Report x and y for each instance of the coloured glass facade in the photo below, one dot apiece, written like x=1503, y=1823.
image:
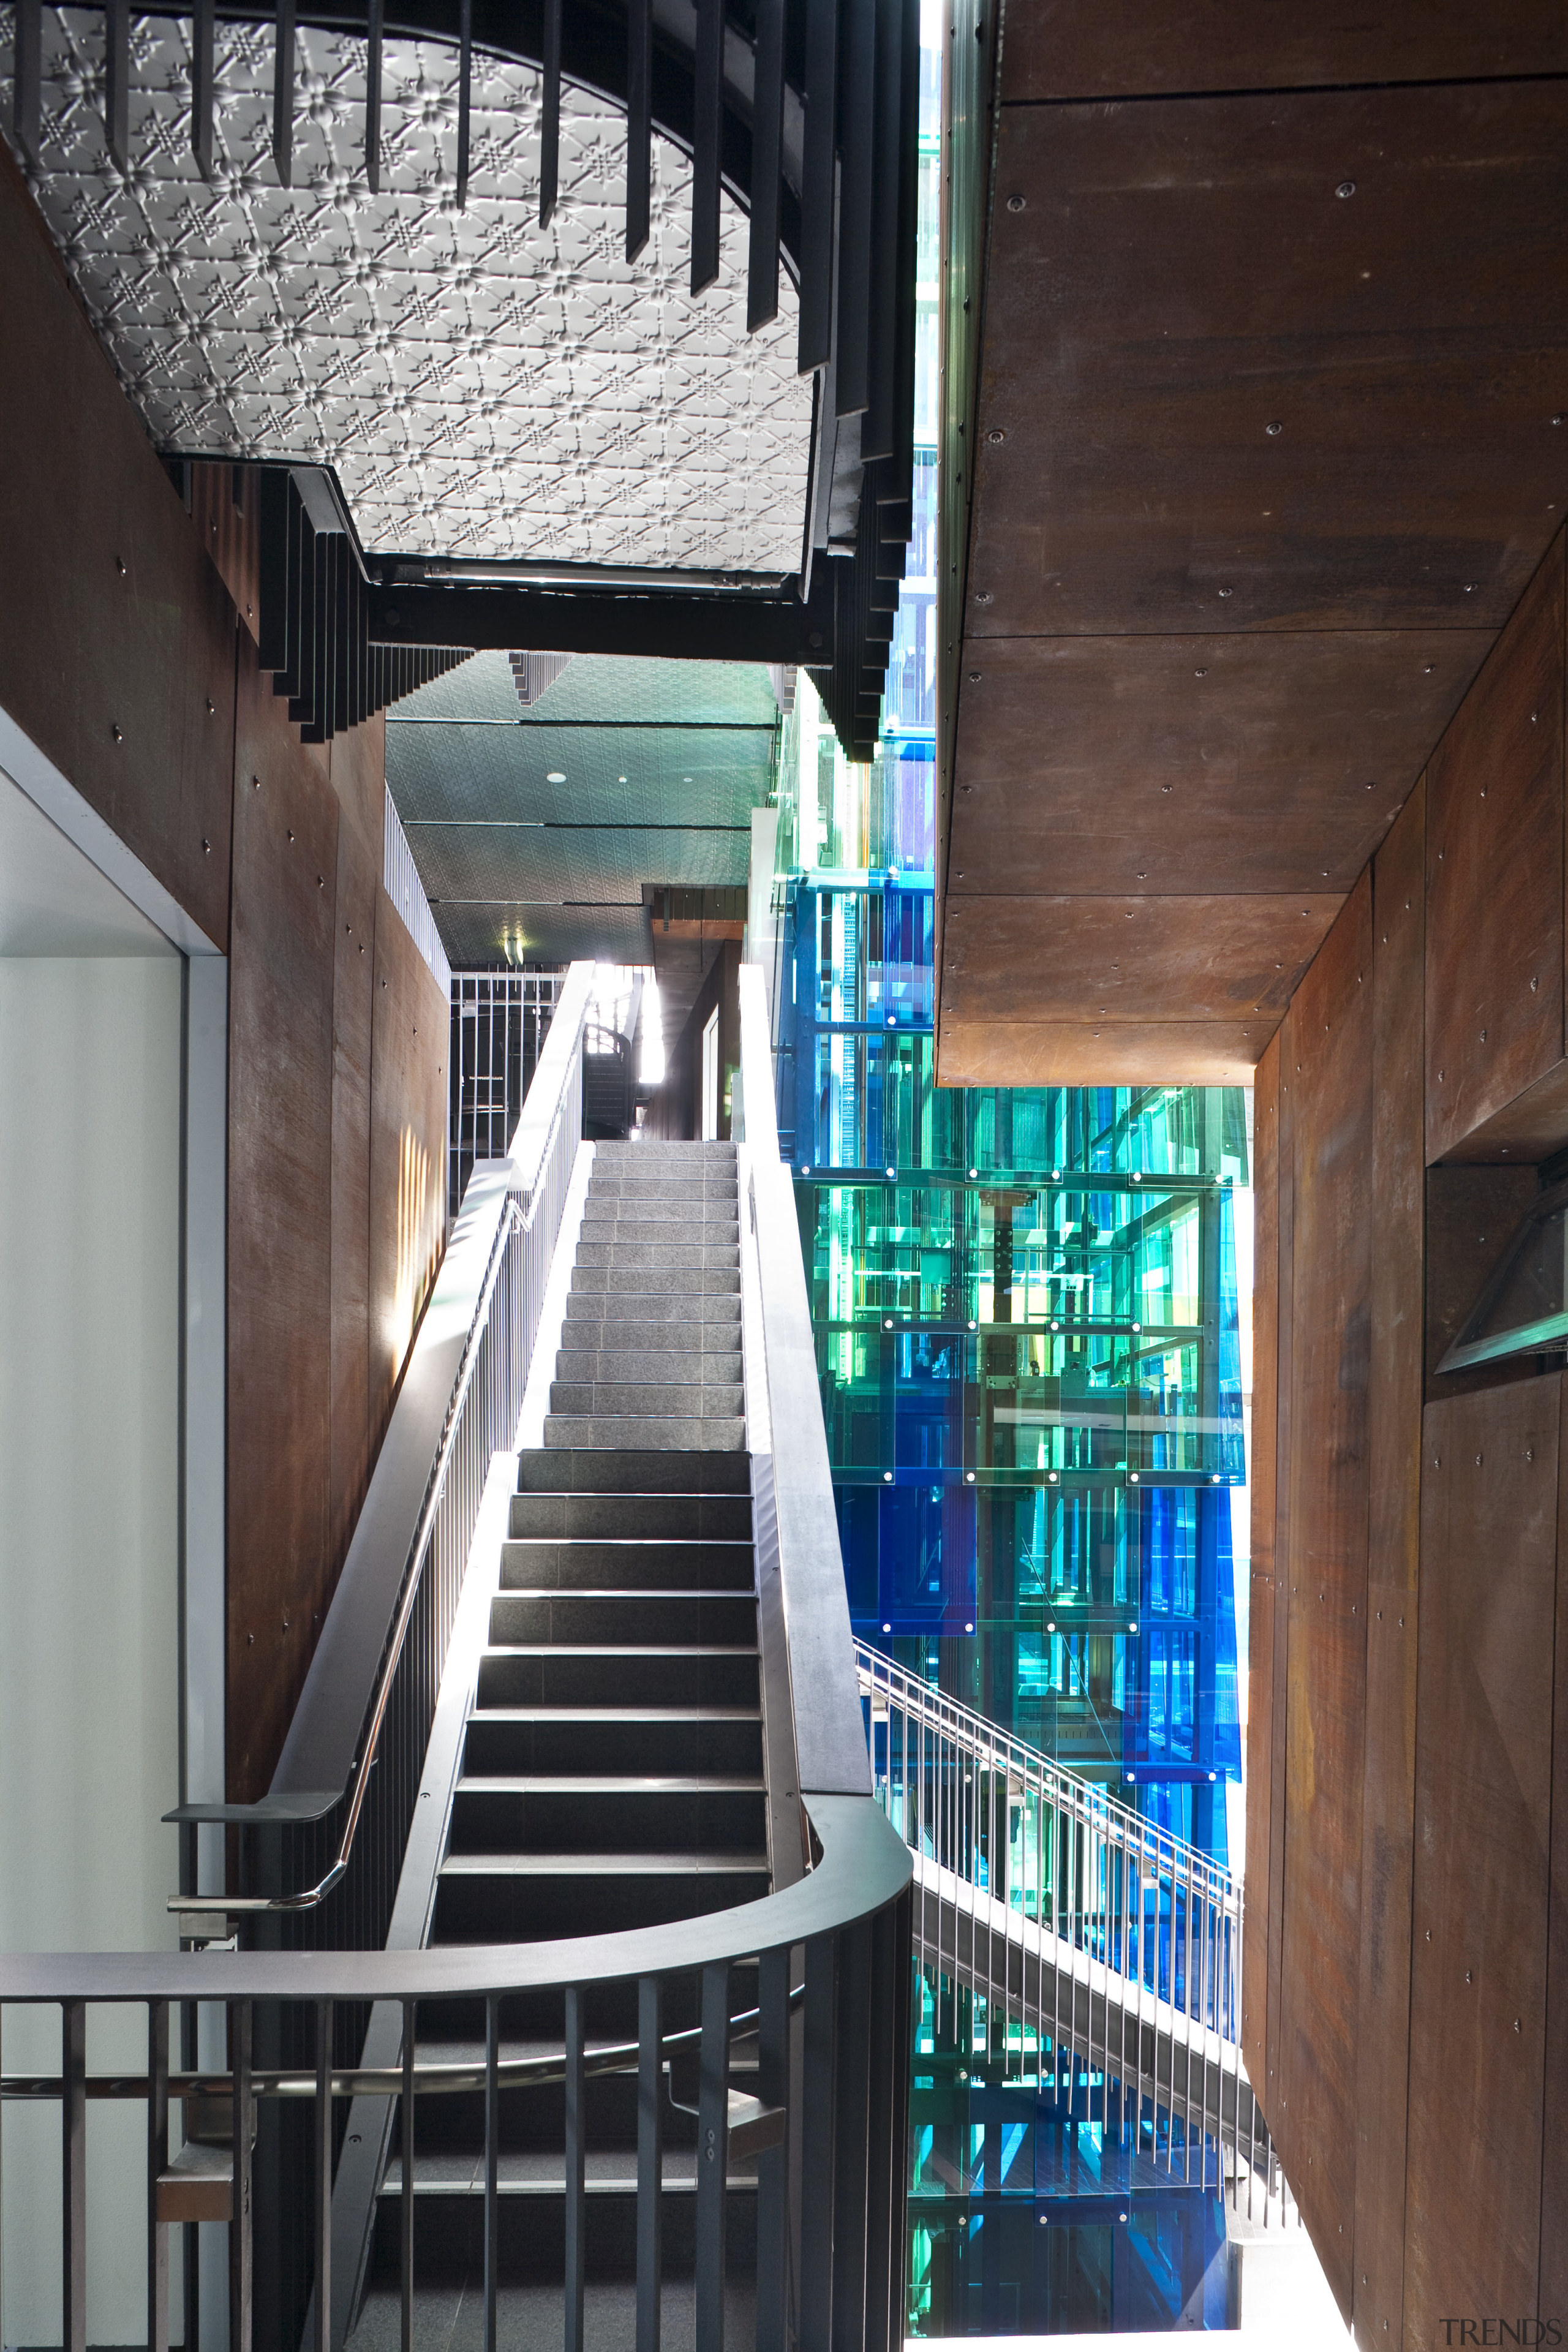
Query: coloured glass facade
x=1026, y=1317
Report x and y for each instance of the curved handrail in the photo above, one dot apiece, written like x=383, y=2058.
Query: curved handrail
x=494, y=1191
x=863, y=1865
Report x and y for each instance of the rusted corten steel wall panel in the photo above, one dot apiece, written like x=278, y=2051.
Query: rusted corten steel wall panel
x=225, y=506
x=279, y=1225
x=1483, y=1799
x=1284, y=1389
x=1261, y=1611
x=1495, y=877
x=1265, y=449
x=117, y=637
x=408, y=1149
x=1328, y=1062
x=1398, y=1156
x=353, y=1433
x=1076, y=49
x=1415, y=1969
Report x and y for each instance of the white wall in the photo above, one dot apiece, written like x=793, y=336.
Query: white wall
x=90, y=1177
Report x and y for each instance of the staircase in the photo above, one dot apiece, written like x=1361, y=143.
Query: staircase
x=612, y=1771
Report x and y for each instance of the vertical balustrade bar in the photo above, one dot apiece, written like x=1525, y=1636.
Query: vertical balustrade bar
x=405, y=2196
x=241, y=2035
x=157, y=2158
x=772, y=2174
x=323, y=2152
x=650, y=2160
x=576, y=2175
x=851, y=2131
x=883, y=2155
x=817, y=2144
x=713, y=2156
x=73, y=2174
x=492, y=2159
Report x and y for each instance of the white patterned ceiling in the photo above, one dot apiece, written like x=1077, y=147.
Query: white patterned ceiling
x=483, y=387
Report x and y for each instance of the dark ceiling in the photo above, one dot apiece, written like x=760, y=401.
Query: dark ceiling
x=535, y=829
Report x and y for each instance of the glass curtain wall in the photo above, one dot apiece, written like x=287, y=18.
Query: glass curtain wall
x=1027, y=1333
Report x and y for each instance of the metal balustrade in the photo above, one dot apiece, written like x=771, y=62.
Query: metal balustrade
x=812, y=1983
x=1090, y=1934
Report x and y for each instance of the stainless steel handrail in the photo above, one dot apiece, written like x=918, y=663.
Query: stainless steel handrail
x=512, y=1219
x=1097, y=1914
x=1088, y=1801
x=863, y=1865
x=532, y=1156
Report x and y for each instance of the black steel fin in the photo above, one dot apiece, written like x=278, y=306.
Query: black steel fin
x=767, y=142
x=707, y=128
x=549, y=126
x=640, y=124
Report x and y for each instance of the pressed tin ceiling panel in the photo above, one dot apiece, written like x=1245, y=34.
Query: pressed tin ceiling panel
x=482, y=387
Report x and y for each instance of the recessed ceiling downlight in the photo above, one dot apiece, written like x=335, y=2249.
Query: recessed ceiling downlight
x=555, y=777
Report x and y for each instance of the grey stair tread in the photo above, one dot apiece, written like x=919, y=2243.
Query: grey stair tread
x=722, y=1434
x=602, y=1865
x=590, y=1564
x=638, y=1592
x=687, y=1400
x=603, y=1650
x=723, y=1229
x=595, y=1517
x=673, y=1364
x=658, y=1233
x=626, y=1283
x=668, y=1250
x=648, y=1472
x=611, y=1784
x=634, y=1312
x=634, y=1714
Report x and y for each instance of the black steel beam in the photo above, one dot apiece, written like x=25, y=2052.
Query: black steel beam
x=698, y=628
